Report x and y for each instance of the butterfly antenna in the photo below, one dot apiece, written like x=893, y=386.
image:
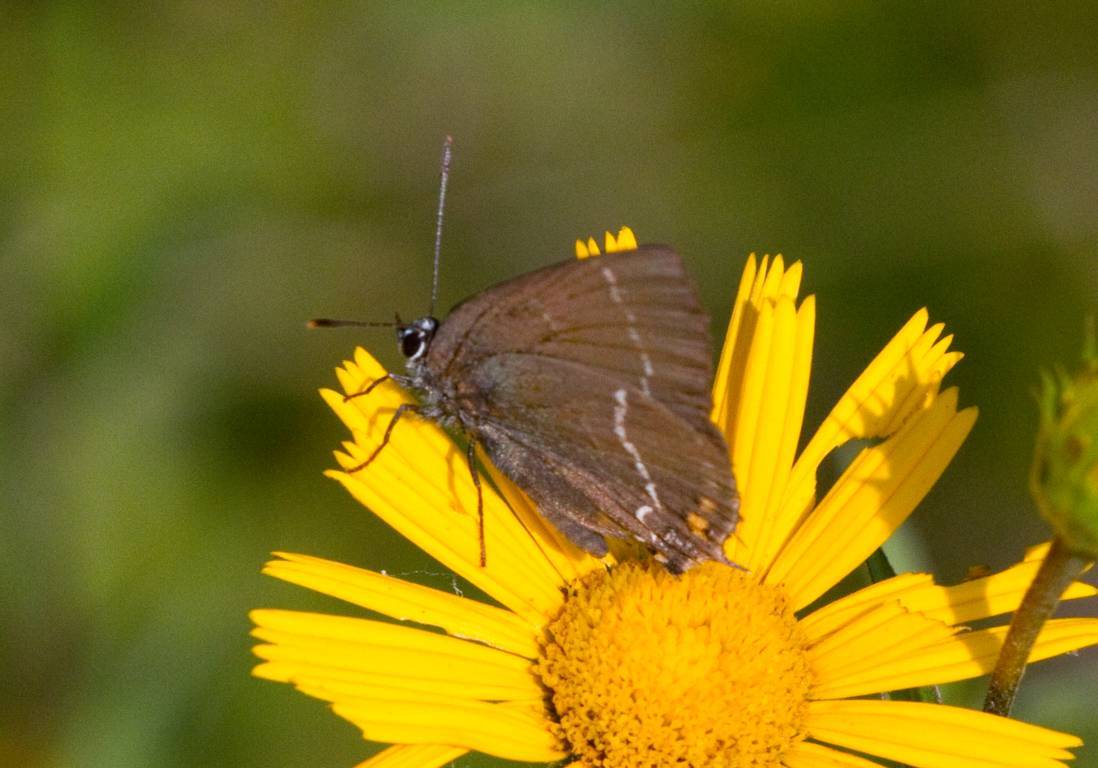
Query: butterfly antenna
x=447, y=150
x=327, y=322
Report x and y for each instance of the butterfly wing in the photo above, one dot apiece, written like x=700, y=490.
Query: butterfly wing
x=599, y=455
x=588, y=384
x=611, y=314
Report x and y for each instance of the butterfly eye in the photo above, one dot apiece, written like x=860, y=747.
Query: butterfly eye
x=413, y=343
x=416, y=338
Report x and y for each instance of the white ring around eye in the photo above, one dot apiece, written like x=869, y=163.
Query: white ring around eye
x=421, y=350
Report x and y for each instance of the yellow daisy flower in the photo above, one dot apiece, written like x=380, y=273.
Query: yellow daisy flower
x=620, y=665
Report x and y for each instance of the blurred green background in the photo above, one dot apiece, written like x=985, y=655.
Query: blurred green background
x=184, y=183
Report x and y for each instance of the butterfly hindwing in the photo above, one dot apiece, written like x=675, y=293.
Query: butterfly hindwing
x=604, y=464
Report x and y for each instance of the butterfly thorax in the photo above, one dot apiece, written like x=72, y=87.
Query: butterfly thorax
x=437, y=401
x=438, y=398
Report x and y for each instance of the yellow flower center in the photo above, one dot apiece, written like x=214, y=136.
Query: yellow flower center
x=650, y=669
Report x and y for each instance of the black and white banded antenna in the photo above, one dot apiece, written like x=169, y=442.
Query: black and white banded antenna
x=444, y=176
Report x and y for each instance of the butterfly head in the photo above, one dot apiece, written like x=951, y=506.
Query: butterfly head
x=415, y=337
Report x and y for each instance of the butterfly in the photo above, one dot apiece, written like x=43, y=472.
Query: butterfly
x=587, y=384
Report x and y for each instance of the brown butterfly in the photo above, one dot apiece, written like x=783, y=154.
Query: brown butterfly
x=587, y=384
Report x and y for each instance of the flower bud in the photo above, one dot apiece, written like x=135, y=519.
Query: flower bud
x=1064, y=479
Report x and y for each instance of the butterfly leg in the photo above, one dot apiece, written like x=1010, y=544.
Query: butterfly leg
x=368, y=389
x=471, y=457
x=402, y=409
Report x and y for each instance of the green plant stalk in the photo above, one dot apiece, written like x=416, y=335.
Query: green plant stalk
x=1060, y=568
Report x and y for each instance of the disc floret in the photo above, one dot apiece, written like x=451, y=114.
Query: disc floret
x=704, y=669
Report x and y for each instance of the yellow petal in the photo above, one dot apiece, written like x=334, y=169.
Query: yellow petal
x=414, y=756
x=727, y=382
x=318, y=646
x=985, y=597
x=932, y=366
x=988, y=596
x=772, y=283
x=790, y=284
x=310, y=673
x=421, y=485
x=869, y=407
x=427, y=518
x=494, y=729
x=592, y=246
x=458, y=616
x=627, y=241
x=837, y=614
x=902, y=379
x=809, y=755
x=742, y=442
x=758, y=285
x=937, y=661
x=870, y=500
x=936, y=736
x=970, y=601
x=768, y=426
x=341, y=689
x=847, y=651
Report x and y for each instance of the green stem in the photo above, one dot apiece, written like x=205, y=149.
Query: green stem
x=879, y=566
x=1060, y=568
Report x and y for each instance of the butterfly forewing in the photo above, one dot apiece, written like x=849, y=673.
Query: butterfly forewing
x=596, y=399
x=614, y=313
